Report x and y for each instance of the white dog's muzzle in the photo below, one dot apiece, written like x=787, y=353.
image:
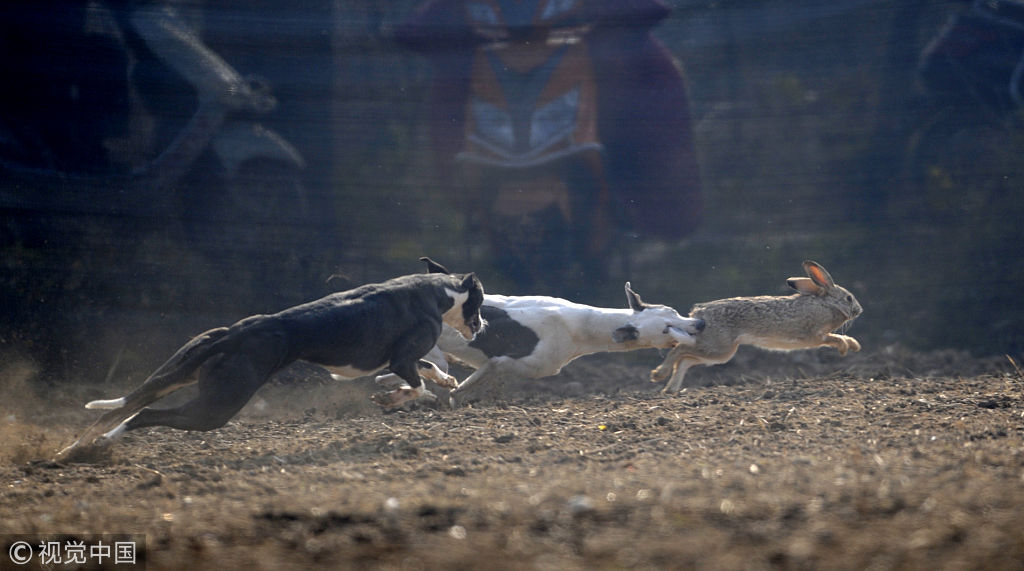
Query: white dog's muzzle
x=681, y=337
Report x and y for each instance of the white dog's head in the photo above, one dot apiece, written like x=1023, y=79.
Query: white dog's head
x=656, y=326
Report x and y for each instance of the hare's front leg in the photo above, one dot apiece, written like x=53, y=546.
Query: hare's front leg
x=842, y=343
x=851, y=343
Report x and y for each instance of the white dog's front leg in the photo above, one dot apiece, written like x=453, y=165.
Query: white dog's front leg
x=668, y=366
x=676, y=382
x=469, y=382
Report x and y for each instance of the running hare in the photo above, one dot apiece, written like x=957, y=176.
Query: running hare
x=804, y=320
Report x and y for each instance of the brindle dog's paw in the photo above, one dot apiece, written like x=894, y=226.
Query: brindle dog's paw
x=400, y=396
x=97, y=452
x=389, y=381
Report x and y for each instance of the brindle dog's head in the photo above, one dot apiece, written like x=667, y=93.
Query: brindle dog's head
x=464, y=314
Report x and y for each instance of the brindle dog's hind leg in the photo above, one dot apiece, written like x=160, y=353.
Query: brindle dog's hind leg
x=226, y=383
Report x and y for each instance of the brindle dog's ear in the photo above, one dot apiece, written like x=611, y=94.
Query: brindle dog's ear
x=434, y=267
x=469, y=282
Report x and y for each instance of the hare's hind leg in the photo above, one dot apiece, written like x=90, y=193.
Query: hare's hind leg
x=842, y=343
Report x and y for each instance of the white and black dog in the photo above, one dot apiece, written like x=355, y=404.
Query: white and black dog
x=352, y=333
x=535, y=336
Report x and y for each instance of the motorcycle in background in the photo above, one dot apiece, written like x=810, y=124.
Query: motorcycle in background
x=127, y=146
x=567, y=125
x=91, y=128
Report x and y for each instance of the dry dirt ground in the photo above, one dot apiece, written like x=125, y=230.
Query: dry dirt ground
x=881, y=460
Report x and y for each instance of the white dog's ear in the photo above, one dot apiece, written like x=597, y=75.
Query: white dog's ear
x=625, y=333
x=633, y=299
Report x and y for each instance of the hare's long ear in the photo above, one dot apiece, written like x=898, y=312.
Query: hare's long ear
x=434, y=267
x=633, y=299
x=818, y=274
x=805, y=286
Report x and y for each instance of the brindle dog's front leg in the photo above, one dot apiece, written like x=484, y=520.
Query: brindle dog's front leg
x=405, y=363
x=412, y=391
x=427, y=370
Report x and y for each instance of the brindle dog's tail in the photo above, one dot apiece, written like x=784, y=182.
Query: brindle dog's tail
x=176, y=373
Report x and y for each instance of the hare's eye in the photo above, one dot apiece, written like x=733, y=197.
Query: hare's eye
x=849, y=298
